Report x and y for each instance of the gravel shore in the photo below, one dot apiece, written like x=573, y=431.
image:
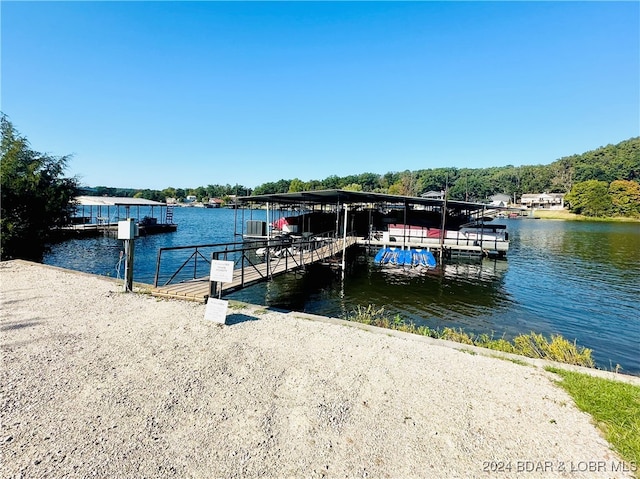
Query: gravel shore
x=100, y=383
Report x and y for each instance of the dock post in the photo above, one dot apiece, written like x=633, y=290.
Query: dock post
x=344, y=240
x=127, y=232
x=128, y=269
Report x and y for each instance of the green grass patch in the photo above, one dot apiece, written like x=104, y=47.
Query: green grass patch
x=567, y=215
x=531, y=345
x=236, y=305
x=520, y=362
x=614, y=405
x=468, y=351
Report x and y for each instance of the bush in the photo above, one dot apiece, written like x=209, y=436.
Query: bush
x=35, y=196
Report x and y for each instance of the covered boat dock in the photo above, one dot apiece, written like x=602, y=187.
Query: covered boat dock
x=99, y=215
x=311, y=227
x=448, y=227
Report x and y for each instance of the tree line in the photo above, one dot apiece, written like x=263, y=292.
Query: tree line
x=615, y=167
x=606, y=164
x=202, y=193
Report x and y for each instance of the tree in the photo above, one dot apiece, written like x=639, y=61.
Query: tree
x=296, y=186
x=590, y=198
x=35, y=196
x=625, y=196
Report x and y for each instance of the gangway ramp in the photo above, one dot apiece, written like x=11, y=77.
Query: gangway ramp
x=279, y=258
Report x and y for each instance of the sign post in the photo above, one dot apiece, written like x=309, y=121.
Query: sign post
x=221, y=272
x=127, y=232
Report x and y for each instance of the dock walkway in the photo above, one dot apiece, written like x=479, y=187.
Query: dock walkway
x=199, y=289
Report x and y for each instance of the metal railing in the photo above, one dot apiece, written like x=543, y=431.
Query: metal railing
x=195, y=253
x=263, y=256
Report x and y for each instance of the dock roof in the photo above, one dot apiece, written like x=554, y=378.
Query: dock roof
x=115, y=201
x=357, y=197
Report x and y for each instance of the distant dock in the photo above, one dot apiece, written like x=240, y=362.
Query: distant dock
x=99, y=216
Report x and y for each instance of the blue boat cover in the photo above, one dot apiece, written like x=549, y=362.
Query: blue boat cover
x=408, y=257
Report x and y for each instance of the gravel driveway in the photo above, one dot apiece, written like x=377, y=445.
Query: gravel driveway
x=100, y=383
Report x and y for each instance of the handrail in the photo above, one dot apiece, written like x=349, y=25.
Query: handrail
x=298, y=250
x=175, y=248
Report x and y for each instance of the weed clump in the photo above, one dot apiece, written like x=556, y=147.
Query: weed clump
x=531, y=345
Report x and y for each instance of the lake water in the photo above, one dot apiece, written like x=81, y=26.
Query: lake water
x=577, y=279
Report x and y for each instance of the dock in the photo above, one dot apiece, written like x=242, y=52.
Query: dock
x=106, y=229
x=99, y=216
x=249, y=272
x=310, y=227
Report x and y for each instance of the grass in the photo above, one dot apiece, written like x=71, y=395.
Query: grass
x=615, y=407
x=512, y=360
x=236, y=305
x=531, y=345
x=567, y=215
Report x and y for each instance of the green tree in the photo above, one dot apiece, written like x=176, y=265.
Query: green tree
x=296, y=186
x=590, y=198
x=169, y=192
x=35, y=196
x=625, y=197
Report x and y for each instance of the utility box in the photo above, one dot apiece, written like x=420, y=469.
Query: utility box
x=256, y=228
x=127, y=229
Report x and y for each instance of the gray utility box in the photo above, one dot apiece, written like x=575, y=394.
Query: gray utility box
x=256, y=228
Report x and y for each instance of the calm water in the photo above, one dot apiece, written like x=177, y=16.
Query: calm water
x=580, y=280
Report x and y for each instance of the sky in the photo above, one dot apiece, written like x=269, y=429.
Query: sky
x=187, y=94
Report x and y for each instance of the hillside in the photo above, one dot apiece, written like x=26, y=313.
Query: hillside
x=606, y=164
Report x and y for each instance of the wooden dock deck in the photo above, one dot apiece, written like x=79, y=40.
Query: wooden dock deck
x=107, y=229
x=199, y=289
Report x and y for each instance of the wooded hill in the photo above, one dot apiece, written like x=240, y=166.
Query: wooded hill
x=605, y=164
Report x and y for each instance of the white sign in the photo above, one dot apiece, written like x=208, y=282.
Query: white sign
x=221, y=271
x=216, y=310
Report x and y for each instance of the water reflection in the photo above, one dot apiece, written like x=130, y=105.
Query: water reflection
x=450, y=296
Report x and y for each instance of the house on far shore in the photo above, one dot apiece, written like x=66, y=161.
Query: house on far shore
x=500, y=200
x=545, y=201
x=215, y=203
x=437, y=195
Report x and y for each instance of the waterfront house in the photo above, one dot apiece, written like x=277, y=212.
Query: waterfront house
x=437, y=195
x=500, y=200
x=547, y=201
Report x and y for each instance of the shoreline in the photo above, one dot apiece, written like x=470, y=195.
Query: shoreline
x=100, y=382
x=565, y=215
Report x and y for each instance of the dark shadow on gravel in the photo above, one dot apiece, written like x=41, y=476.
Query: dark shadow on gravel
x=239, y=318
x=11, y=325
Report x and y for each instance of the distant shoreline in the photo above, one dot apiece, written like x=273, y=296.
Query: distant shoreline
x=568, y=216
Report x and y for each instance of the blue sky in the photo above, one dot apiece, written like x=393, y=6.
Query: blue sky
x=184, y=94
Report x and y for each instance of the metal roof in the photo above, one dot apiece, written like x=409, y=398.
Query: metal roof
x=115, y=201
x=359, y=197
